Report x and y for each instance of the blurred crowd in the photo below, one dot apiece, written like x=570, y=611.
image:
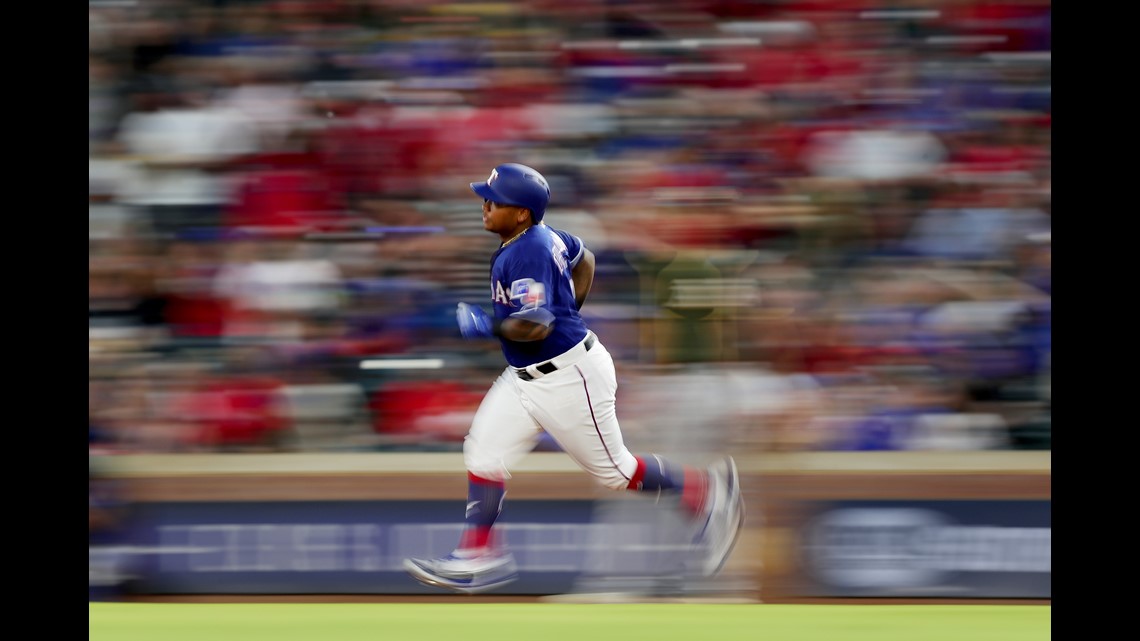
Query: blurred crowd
x=821, y=225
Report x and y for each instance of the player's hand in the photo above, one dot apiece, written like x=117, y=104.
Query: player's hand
x=473, y=321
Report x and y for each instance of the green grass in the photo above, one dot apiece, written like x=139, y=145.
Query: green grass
x=565, y=622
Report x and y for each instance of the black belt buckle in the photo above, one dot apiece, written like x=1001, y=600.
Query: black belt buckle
x=548, y=366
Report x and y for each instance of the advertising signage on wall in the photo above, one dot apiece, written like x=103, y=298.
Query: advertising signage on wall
x=957, y=549
x=358, y=547
x=947, y=549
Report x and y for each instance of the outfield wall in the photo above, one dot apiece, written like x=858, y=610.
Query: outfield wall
x=963, y=525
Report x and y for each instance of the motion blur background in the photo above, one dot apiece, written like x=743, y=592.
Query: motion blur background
x=821, y=225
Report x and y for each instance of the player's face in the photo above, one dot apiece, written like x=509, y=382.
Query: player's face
x=500, y=218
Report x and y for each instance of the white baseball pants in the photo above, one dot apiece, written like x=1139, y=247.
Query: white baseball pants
x=575, y=404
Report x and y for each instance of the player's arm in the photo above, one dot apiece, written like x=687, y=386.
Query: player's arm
x=583, y=276
x=523, y=331
x=533, y=324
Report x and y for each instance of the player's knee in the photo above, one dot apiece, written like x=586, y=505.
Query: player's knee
x=482, y=463
x=616, y=477
x=613, y=480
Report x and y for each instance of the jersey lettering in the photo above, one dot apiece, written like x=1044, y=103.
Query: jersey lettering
x=558, y=251
x=499, y=295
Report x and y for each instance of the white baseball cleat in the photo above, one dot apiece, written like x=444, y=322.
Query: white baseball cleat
x=724, y=516
x=466, y=574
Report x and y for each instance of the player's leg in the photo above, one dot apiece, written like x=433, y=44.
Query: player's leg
x=577, y=407
x=501, y=433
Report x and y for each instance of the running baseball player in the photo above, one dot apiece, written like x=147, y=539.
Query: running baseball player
x=560, y=379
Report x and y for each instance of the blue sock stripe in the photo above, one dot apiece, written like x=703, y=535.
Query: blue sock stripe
x=658, y=476
x=484, y=502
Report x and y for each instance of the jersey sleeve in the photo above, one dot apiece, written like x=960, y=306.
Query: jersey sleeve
x=574, y=246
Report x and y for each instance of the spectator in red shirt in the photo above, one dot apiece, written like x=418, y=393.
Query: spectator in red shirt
x=242, y=409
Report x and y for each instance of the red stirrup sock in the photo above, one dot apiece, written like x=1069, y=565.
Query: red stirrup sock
x=695, y=489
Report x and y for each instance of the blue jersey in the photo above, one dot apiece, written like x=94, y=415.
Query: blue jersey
x=534, y=270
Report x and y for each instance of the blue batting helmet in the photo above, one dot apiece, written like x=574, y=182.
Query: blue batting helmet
x=518, y=185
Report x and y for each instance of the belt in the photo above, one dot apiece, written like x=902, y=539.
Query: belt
x=549, y=366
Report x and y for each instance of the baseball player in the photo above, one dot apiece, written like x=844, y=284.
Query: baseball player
x=560, y=379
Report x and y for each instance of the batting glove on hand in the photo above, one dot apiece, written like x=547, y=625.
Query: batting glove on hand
x=473, y=321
